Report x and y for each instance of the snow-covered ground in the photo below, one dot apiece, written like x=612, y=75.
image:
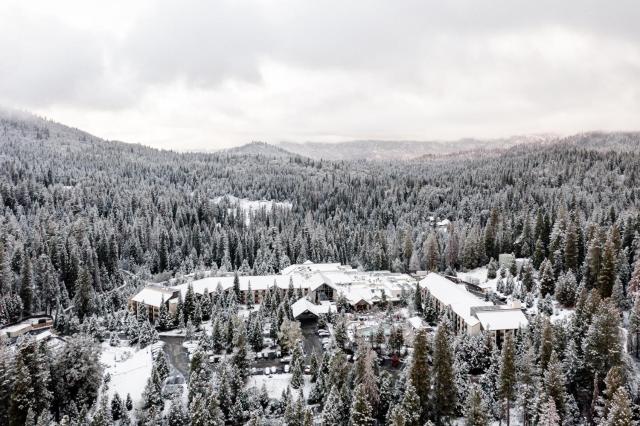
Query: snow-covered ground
x=277, y=383
x=129, y=368
x=479, y=276
x=250, y=206
x=560, y=313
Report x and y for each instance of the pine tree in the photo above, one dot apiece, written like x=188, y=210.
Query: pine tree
x=419, y=373
x=538, y=254
x=546, y=343
x=490, y=383
x=80, y=353
x=555, y=383
x=84, y=297
x=236, y=285
x=117, y=407
x=163, y=316
x=444, y=394
x=614, y=380
x=592, y=261
x=601, y=345
x=549, y=414
x=177, y=414
x=476, y=411
x=527, y=389
x=492, y=269
x=296, y=375
x=547, y=279
x=200, y=415
x=620, y=413
x=412, y=406
x=340, y=333
x=189, y=303
x=634, y=283
x=197, y=313
x=26, y=289
x=152, y=394
x=6, y=276
x=431, y=252
x=162, y=365
x=507, y=374
x=128, y=402
x=22, y=395
x=417, y=299
x=607, y=272
x=397, y=416
x=618, y=297
x=332, y=413
x=102, y=416
x=634, y=326
x=566, y=289
x=527, y=277
x=361, y=411
x=571, y=248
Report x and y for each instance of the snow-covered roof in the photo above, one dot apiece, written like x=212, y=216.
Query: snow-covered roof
x=308, y=267
x=443, y=223
x=303, y=305
x=502, y=319
x=257, y=282
x=16, y=328
x=415, y=322
x=357, y=294
x=355, y=285
x=454, y=295
x=44, y=335
x=153, y=295
x=337, y=277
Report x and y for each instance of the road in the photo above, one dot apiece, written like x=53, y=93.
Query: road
x=177, y=356
x=311, y=341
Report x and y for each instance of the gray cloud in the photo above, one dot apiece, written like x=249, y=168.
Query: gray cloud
x=221, y=73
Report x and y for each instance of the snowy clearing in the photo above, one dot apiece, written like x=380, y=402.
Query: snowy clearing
x=251, y=206
x=277, y=383
x=129, y=369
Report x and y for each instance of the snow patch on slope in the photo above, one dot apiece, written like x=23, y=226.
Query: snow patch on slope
x=251, y=206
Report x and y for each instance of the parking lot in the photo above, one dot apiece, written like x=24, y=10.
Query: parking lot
x=312, y=343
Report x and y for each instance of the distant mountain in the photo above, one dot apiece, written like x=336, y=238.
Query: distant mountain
x=259, y=148
x=403, y=150
x=606, y=141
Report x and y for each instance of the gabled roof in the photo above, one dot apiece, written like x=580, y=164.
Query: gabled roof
x=153, y=295
x=303, y=305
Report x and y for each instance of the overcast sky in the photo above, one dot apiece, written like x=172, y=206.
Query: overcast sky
x=212, y=74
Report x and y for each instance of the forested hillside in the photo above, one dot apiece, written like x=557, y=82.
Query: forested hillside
x=85, y=221
x=74, y=203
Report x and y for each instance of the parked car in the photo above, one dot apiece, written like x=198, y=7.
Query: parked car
x=287, y=368
x=307, y=369
x=267, y=370
x=323, y=333
x=273, y=370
